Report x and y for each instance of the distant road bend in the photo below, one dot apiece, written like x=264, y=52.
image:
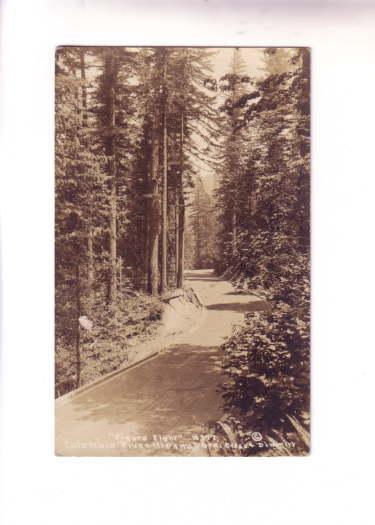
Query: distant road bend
x=174, y=394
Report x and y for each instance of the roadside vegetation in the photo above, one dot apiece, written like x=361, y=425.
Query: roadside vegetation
x=264, y=236
x=104, y=339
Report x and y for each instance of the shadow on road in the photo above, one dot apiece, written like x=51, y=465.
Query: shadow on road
x=163, y=394
x=239, y=292
x=254, y=306
x=202, y=275
x=202, y=278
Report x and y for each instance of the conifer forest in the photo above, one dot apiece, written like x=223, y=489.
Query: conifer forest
x=175, y=166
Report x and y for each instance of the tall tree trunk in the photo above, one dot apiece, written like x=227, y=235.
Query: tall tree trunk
x=111, y=71
x=113, y=234
x=90, y=231
x=146, y=219
x=234, y=227
x=146, y=247
x=164, y=246
x=198, y=230
x=235, y=168
x=154, y=212
x=181, y=244
x=78, y=329
x=177, y=230
x=181, y=212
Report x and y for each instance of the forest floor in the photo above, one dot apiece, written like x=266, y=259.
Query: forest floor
x=164, y=405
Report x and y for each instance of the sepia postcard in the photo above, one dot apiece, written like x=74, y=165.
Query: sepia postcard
x=182, y=243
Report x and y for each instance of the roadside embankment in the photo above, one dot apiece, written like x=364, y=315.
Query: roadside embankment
x=182, y=312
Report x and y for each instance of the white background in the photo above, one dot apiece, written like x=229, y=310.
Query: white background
x=332, y=486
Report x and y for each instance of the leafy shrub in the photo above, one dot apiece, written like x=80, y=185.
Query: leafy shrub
x=267, y=360
x=267, y=364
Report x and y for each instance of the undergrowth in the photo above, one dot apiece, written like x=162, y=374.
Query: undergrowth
x=267, y=364
x=104, y=347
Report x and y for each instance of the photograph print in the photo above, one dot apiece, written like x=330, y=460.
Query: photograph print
x=182, y=251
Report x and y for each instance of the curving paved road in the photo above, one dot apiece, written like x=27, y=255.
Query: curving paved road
x=163, y=406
